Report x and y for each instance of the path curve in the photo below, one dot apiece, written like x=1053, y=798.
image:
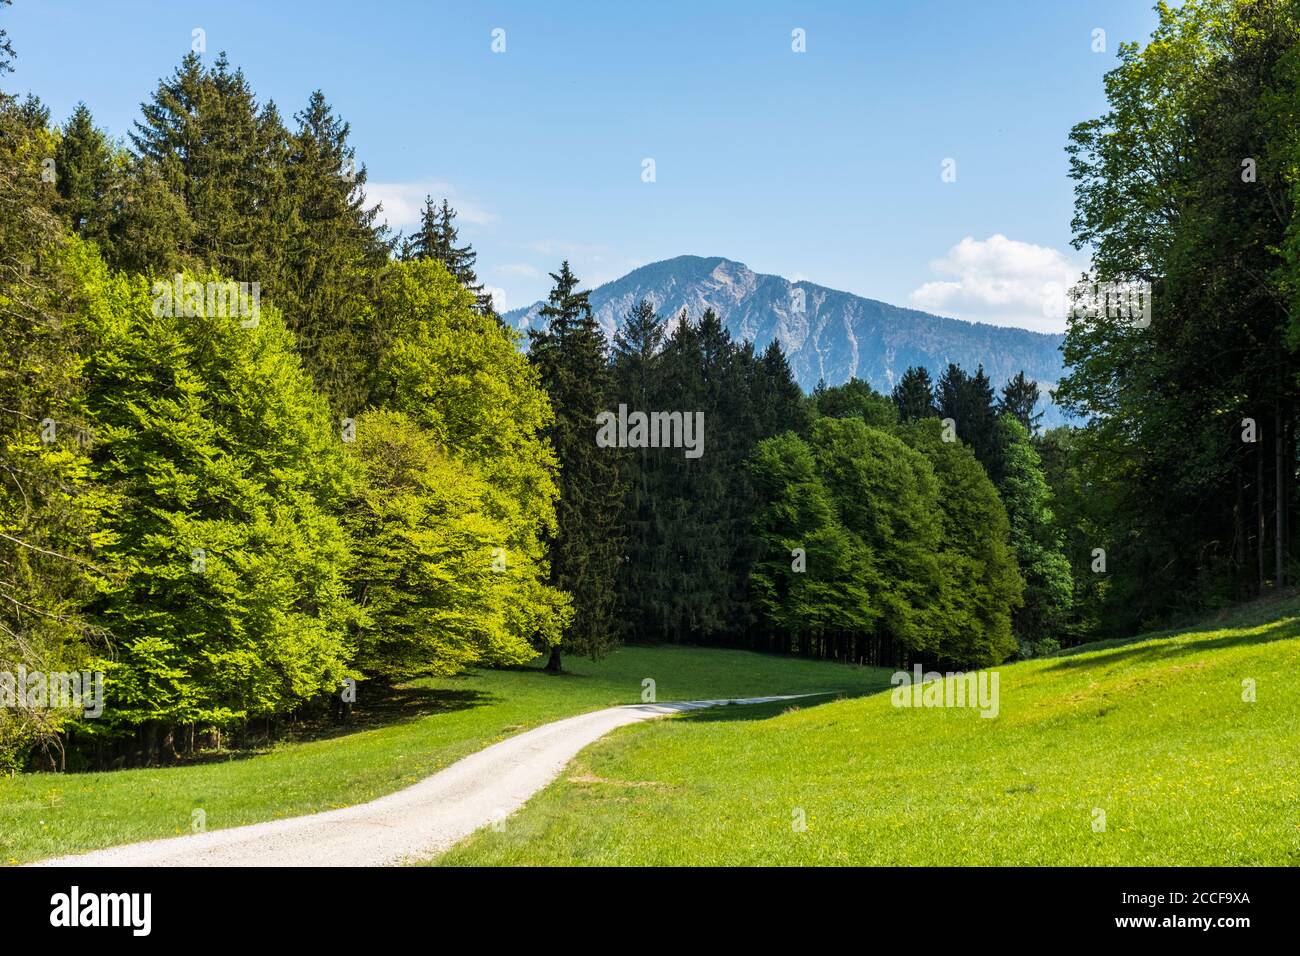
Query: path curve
x=421, y=821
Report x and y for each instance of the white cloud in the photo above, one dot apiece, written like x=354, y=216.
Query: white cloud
x=1002, y=282
x=403, y=203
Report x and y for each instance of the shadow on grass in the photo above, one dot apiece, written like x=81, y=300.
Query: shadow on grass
x=746, y=712
x=397, y=706
x=1137, y=650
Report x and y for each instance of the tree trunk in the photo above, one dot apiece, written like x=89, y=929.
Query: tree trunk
x=1259, y=505
x=553, y=665
x=1279, y=522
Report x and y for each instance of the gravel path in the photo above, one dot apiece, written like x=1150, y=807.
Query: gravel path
x=421, y=821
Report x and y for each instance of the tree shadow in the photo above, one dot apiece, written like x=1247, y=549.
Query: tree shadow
x=394, y=707
x=1137, y=650
x=748, y=712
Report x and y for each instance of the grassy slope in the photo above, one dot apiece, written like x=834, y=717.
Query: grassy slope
x=45, y=815
x=1153, y=731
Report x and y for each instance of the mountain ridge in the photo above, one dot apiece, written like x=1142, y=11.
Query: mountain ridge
x=827, y=334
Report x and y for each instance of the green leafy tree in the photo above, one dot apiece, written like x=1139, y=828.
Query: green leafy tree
x=461, y=376
x=886, y=496
x=228, y=564
x=981, y=581
x=1037, y=543
x=437, y=590
x=51, y=510
x=811, y=581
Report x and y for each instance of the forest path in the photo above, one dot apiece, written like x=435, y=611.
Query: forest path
x=421, y=821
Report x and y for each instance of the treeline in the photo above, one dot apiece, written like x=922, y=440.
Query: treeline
x=1184, y=473
x=240, y=508
x=845, y=524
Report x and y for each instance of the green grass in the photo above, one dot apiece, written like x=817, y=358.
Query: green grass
x=1154, y=732
x=426, y=728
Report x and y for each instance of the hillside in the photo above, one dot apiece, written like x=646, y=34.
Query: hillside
x=836, y=336
x=1153, y=732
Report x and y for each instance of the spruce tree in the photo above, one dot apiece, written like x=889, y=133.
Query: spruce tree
x=914, y=395
x=968, y=401
x=1019, y=397
x=84, y=176
x=638, y=370
x=335, y=250
x=436, y=239
x=570, y=355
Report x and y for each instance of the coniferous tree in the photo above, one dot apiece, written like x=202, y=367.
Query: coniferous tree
x=334, y=251
x=84, y=176
x=436, y=239
x=914, y=395
x=1019, y=397
x=570, y=355
x=638, y=383
x=968, y=401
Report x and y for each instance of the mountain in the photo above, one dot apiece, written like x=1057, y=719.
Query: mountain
x=835, y=336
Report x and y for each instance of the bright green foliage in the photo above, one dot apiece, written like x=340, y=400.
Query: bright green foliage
x=981, y=581
x=809, y=579
x=887, y=498
x=438, y=591
x=855, y=399
x=228, y=596
x=880, y=550
x=460, y=375
x=49, y=509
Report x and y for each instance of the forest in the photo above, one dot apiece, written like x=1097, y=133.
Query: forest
x=259, y=455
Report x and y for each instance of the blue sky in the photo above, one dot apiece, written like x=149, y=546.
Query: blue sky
x=823, y=165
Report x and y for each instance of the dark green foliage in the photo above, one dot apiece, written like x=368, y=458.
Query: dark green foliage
x=85, y=176
x=1019, y=398
x=1191, y=514
x=689, y=521
x=570, y=355
x=1036, y=541
x=914, y=395
x=967, y=400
